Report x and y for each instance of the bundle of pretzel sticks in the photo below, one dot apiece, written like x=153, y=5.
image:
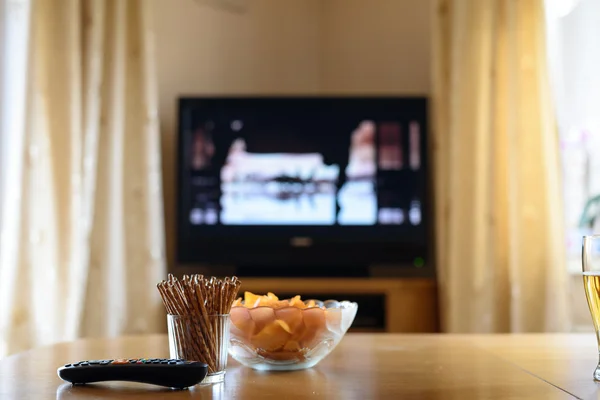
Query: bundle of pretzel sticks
x=199, y=305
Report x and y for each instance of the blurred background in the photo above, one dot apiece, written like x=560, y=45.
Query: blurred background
x=483, y=111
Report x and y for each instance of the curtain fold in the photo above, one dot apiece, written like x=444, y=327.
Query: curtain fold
x=500, y=247
x=83, y=245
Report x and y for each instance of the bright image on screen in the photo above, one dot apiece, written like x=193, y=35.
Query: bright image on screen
x=293, y=189
x=301, y=187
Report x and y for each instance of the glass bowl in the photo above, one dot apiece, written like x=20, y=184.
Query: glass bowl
x=288, y=338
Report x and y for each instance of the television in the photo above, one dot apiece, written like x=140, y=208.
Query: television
x=302, y=185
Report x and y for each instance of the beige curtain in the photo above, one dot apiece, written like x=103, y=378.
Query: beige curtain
x=82, y=236
x=500, y=248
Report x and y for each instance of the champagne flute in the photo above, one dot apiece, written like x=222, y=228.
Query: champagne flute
x=591, y=283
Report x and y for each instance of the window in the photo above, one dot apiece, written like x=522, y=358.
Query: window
x=3, y=59
x=573, y=29
x=14, y=37
x=574, y=59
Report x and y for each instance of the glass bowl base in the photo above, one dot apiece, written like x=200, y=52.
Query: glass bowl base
x=264, y=366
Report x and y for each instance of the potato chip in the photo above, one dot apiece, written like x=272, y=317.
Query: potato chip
x=284, y=325
x=280, y=304
x=291, y=316
x=315, y=322
x=292, y=345
x=250, y=299
x=314, y=318
x=243, y=325
x=262, y=316
x=272, y=338
x=297, y=302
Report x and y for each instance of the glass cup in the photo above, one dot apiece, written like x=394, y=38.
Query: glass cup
x=591, y=283
x=201, y=338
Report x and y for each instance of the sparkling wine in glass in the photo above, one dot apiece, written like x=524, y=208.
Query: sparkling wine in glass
x=591, y=282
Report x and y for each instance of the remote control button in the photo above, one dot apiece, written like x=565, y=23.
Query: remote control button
x=94, y=362
x=164, y=362
x=104, y=362
x=120, y=361
x=67, y=365
x=172, y=362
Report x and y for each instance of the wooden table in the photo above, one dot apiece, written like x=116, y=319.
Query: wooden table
x=364, y=366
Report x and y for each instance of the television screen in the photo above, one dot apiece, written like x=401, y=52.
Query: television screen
x=328, y=169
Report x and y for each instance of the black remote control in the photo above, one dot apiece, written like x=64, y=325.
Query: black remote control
x=177, y=374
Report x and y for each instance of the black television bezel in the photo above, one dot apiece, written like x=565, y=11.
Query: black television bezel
x=252, y=256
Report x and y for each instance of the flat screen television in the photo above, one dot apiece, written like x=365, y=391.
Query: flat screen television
x=290, y=184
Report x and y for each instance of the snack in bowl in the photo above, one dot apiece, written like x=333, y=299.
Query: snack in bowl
x=272, y=334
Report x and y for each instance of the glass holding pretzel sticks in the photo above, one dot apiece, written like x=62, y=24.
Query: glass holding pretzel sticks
x=198, y=319
x=201, y=338
x=591, y=283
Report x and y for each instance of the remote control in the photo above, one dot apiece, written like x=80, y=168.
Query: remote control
x=172, y=373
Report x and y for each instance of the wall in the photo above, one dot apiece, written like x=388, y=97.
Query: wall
x=284, y=47
x=379, y=46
